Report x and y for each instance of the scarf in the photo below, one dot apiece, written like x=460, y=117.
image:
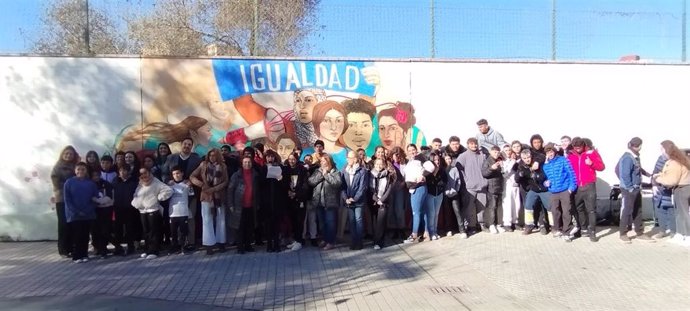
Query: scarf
x=212, y=178
x=305, y=133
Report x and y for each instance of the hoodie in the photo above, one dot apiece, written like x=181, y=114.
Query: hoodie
x=454, y=154
x=490, y=139
x=471, y=167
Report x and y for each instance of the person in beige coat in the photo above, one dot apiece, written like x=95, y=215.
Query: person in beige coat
x=676, y=175
x=212, y=177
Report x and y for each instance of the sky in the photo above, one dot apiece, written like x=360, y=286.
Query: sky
x=599, y=30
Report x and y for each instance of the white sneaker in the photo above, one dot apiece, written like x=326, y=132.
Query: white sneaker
x=410, y=240
x=463, y=235
x=376, y=247
x=449, y=234
x=83, y=260
x=296, y=246
x=434, y=238
x=152, y=256
x=493, y=229
x=501, y=229
x=291, y=245
x=143, y=256
x=77, y=261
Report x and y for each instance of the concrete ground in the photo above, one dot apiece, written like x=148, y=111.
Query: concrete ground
x=485, y=272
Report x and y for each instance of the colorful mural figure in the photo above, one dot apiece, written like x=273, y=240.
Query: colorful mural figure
x=283, y=104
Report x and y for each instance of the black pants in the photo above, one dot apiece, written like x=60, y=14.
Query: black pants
x=297, y=215
x=181, y=225
x=152, y=225
x=585, y=201
x=273, y=228
x=456, y=203
x=631, y=211
x=101, y=228
x=246, y=229
x=79, y=230
x=64, y=232
x=379, y=220
x=560, y=208
x=124, y=226
x=166, y=234
x=493, y=215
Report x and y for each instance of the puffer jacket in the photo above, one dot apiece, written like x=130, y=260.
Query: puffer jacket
x=494, y=177
x=560, y=174
x=327, y=189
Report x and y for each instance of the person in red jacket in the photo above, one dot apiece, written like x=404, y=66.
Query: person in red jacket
x=586, y=162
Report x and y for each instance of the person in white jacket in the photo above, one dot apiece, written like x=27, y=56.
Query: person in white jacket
x=511, y=194
x=147, y=199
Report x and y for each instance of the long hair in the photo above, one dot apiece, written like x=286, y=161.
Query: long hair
x=675, y=154
x=328, y=158
x=219, y=156
x=441, y=163
x=276, y=157
x=401, y=112
x=75, y=159
x=165, y=132
x=319, y=114
x=159, y=159
x=400, y=153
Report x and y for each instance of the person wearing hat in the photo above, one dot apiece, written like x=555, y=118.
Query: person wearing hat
x=629, y=172
x=487, y=137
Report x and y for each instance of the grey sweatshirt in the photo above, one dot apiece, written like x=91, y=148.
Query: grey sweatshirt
x=471, y=166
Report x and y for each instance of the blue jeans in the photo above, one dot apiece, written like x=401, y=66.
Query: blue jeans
x=418, y=209
x=354, y=213
x=433, y=206
x=667, y=218
x=329, y=224
x=531, y=200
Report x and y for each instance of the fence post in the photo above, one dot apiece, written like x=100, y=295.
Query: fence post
x=553, y=30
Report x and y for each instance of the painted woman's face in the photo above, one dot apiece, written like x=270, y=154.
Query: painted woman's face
x=304, y=106
x=359, y=130
x=332, y=125
x=285, y=147
x=390, y=132
x=204, y=135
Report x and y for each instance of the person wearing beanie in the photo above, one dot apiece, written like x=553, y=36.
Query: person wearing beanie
x=629, y=172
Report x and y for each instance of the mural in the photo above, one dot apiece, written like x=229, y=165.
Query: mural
x=282, y=104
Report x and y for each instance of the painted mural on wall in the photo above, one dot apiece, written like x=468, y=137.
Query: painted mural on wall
x=282, y=104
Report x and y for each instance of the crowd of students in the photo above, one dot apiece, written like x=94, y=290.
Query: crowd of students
x=178, y=203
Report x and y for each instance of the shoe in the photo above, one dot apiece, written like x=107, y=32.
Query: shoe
x=557, y=234
x=567, y=238
x=119, y=251
x=85, y=259
x=221, y=248
x=143, y=255
x=209, y=251
x=328, y=247
x=410, y=240
x=593, y=237
x=660, y=235
x=575, y=232
x=377, y=247
x=528, y=230
x=543, y=231
x=449, y=233
x=296, y=246
x=644, y=237
x=249, y=249
x=77, y=261
x=677, y=239
x=322, y=244
x=463, y=235
x=314, y=243
x=625, y=239
x=501, y=229
x=152, y=256
x=291, y=245
x=493, y=229
x=434, y=237
x=508, y=228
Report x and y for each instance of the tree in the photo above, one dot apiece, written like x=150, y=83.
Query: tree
x=183, y=28
x=64, y=31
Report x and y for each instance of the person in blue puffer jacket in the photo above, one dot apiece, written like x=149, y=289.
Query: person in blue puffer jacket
x=561, y=181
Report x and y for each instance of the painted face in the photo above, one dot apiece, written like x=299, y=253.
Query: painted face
x=163, y=150
x=304, y=106
x=187, y=145
x=68, y=156
x=285, y=147
x=472, y=146
x=80, y=171
x=351, y=158
x=390, y=132
x=148, y=162
x=378, y=165
x=359, y=130
x=246, y=163
x=129, y=158
x=203, y=135
x=332, y=125
x=380, y=153
x=178, y=175
x=483, y=128
x=144, y=176
x=411, y=152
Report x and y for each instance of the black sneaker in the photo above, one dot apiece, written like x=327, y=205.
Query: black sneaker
x=209, y=251
x=593, y=237
x=221, y=248
x=528, y=230
x=543, y=231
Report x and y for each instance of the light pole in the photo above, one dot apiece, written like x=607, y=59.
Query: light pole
x=433, y=31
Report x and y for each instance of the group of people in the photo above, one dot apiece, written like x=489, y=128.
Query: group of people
x=251, y=196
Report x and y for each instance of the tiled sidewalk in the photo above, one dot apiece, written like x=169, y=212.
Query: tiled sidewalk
x=486, y=272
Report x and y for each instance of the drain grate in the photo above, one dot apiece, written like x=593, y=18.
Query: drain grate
x=449, y=290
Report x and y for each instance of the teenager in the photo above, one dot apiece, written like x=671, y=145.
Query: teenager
x=126, y=223
x=80, y=195
x=382, y=181
x=101, y=229
x=147, y=199
x=297, y=196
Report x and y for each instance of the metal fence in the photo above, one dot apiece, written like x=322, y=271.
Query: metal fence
x=550, y=30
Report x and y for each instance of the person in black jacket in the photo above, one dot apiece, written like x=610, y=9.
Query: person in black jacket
x=274, y=189
x=436, y=187
x=100, y=230
x=126, y=216
x=531, y=177
x=298, y=194
x=382, y=181
x=492, y=170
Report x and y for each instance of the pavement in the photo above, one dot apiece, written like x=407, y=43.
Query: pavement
x=507, y=271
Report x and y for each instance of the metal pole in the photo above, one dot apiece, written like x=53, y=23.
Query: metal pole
x=87, y=34
x=684, y=32
x=553, y=30
x=433, y=31
x=255, y=30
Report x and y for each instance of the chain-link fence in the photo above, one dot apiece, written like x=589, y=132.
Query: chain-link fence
x=584, y=30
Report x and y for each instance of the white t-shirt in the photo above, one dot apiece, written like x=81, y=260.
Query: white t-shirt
x=179, y=202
